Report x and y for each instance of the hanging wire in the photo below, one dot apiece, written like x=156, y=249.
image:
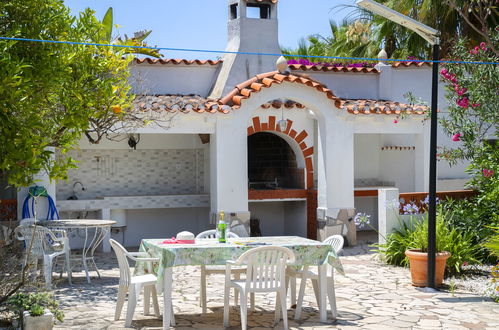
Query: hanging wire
x=244, y=53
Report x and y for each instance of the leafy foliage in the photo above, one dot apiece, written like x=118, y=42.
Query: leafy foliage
x=35, y=303
x=346, y=40
x=473, y=123
x=413, y=234
x=136, y=43
x=493, y=242
x=51, y=92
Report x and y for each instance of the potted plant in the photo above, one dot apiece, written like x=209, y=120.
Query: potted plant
x=407, y=245
x=36, y=310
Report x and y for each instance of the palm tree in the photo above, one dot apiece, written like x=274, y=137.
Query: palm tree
x=346, y=40
x=401, y=42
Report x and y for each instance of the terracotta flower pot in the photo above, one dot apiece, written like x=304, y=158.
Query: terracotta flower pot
x=418, y=262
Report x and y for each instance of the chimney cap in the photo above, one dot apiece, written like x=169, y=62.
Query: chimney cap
x=282, y=65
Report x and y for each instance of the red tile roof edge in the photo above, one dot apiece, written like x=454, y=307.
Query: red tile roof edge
x=407, y=64
x=331, y=68
x=149, y=60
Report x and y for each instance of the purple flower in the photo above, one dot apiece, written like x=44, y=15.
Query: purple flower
x=410, y=208
x=361, y=219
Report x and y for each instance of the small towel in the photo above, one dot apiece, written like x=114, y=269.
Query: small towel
x=173, y=240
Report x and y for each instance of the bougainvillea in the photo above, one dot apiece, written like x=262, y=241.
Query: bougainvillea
x=303, y=61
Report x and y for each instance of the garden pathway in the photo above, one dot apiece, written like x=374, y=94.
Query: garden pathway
x=371, y=296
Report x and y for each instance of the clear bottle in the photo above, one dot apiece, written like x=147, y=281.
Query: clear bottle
x=221, y=228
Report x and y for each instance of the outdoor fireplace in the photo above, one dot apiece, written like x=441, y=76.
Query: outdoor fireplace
x=272, y=163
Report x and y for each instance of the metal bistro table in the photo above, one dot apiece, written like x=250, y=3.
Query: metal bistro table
x=209, y=252
x=94, y=232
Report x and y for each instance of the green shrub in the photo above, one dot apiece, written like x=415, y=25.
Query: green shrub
x=35, y=303
x=414, y=235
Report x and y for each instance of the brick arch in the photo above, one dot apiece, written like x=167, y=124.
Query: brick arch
x=299, y=138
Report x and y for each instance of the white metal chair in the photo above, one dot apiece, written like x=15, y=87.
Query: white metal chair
x=134, y=284
x=210, y=270
x=336, y=242
x=46, y=244
x=266, y=272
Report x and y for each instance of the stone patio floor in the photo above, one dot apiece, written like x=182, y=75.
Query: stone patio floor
x=372, y=295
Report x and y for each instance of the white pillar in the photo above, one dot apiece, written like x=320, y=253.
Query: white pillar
x=422, y=160
x=336, y=177
x=388, y=212
x=42, y=205
x=229, y=169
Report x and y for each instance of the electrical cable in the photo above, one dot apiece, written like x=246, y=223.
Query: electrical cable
x=244, y=53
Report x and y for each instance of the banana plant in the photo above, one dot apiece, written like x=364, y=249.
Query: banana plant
x=136, y=43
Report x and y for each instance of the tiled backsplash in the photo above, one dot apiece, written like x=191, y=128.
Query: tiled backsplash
x=134, y=173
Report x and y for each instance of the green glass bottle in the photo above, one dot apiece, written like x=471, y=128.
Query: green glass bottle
x=221, y=228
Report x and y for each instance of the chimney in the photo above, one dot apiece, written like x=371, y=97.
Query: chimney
x=253, y=28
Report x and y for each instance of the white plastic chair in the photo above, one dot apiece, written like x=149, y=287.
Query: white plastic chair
x=266, y=272
x=210, y=270
x=45, y=244
x=336, y=242
x=134, y=284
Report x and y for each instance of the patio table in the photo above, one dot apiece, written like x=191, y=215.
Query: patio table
x=210, y=252
x=94, y=232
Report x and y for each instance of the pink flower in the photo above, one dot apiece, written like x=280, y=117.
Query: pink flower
x=395, y=121
x=461, y=91
x=475, y=105
x=456, y=137
x=463, y=102
x=483, y=44
x=443, y=72
x=488, y=173
x=465, y=263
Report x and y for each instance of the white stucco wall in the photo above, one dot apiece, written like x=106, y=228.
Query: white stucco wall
x=367, y=156
x=173, y=79
x=354, y=85
x=295, y=215
x=163, y=223
x=271, y=216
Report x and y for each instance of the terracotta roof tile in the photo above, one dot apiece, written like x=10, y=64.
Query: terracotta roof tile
x=381, y=107
x=149, y=60
x=409, y=64
x=323, y=68
x=245, y=89
x=178, y=103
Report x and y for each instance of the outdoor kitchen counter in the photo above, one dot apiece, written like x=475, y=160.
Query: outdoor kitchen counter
x=134, y=202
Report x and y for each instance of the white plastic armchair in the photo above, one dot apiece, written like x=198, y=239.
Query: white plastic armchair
x=46, y=244
x=134, y=284
x=210, y=270
x=266, y=272
x=336, y=242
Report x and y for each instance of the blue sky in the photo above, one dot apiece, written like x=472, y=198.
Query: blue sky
x=201, y=24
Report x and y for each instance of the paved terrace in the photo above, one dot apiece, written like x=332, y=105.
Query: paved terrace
x=371, y=296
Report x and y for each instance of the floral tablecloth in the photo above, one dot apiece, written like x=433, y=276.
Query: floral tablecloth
x=209, y=252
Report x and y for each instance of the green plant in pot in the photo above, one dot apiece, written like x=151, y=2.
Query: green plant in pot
x=408, y=245
x=35, y=310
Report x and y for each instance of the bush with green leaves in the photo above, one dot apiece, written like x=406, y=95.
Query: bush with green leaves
x=413, y=234
x=35, y=304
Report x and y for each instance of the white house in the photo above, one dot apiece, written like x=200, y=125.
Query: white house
x=226, y=149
